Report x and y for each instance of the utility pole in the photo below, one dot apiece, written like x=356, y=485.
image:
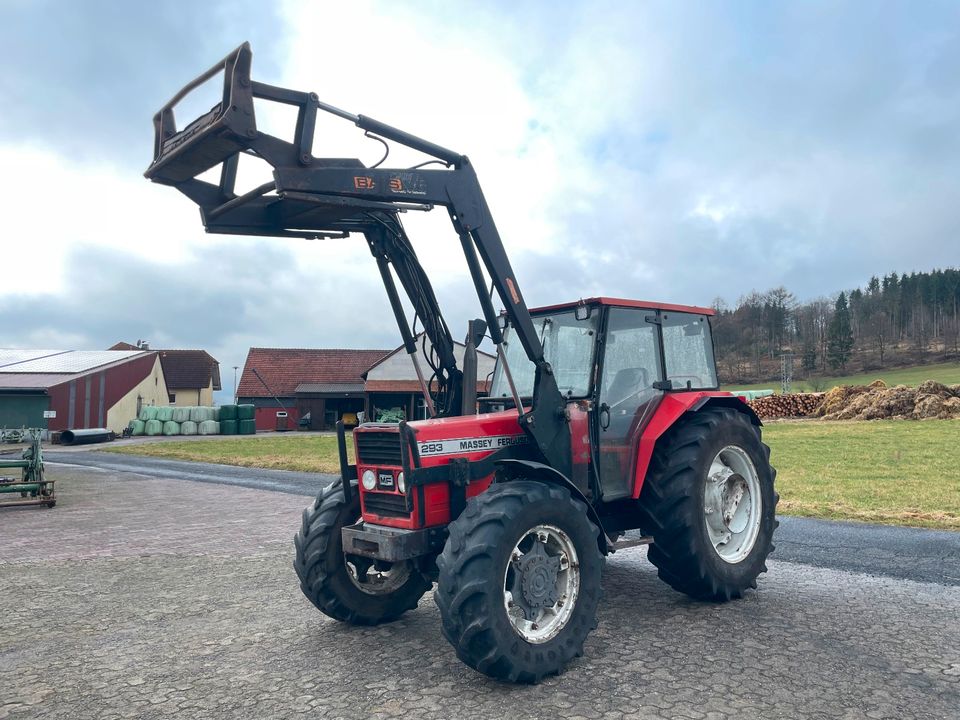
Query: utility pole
x=235, y=384
x=786, y=372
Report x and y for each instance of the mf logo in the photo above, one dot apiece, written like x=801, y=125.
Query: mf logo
x=363, y=183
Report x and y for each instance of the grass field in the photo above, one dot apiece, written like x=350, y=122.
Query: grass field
x=886, y=471
x=314, y=453
x=946, y=373
x=894, y=471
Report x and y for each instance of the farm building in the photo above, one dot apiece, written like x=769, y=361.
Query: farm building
x=325, y=383
x=332, y=385
x=192, y=375
x=391, y=383
x=61, y=389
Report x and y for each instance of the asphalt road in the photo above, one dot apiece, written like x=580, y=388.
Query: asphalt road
x=144, y=597
x=881, y=551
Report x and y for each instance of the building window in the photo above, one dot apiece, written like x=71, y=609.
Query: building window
x=172, y=398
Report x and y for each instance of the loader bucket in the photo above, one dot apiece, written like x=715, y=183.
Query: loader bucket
x=225, y=130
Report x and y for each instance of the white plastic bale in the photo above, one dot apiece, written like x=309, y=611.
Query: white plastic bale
x=209, y=427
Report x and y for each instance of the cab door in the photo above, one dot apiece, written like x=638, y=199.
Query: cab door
x=631, y=371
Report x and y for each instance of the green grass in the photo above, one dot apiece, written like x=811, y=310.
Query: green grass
x=896, y=472
x=305, y=454
x=946, y=373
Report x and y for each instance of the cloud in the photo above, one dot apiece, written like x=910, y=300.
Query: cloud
x=85, y=78
x=255, y=295
x=652, y=151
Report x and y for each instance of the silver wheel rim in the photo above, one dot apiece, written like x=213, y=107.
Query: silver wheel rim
x=368, y=578
x=732, y=504
x=544, y=620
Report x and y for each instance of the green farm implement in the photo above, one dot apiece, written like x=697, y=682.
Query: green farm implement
x=31, y=488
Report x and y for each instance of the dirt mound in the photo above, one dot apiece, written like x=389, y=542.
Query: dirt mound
x=878, y=402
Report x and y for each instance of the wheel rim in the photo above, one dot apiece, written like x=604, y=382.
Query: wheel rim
x=541, y=583
x=732, y=504
x=374, y=577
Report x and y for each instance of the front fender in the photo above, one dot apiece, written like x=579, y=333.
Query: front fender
x=529, y=470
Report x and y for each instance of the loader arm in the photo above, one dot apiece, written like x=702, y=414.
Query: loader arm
x=313, y=197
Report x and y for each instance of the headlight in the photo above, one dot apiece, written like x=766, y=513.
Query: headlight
x=401, y=483
x=369, y=480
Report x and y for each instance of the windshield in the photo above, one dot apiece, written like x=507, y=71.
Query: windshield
x=568, y=346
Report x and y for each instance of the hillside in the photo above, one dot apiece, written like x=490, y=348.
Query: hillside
x=946, y=373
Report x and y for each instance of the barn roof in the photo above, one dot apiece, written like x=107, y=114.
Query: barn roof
x=70, y=361
x=285, y=369
x=42, y=369
x=189, y=369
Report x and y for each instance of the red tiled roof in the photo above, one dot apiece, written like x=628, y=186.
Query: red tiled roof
x=284, y=369
x=183, y=369
x=407, y=386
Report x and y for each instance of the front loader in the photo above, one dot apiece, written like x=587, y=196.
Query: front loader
x=603, y=415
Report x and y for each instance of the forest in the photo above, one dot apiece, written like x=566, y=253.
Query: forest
x=894, y=320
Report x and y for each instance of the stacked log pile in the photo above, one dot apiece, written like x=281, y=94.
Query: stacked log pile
x=788, y=405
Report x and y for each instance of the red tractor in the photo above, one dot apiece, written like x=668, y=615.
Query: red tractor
x=603, y=415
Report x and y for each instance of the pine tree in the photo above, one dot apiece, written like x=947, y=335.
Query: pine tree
x=839, y=335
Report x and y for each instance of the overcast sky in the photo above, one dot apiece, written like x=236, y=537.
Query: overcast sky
x=668, y=151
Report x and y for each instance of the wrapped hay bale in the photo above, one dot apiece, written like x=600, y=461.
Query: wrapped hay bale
x=188, y=427
x=137, y=427
x=228, y=412
x=228, y=427
x=165, y=413
x=214, y=413
x=197, y=415
x=153, y=427
x=148, y=413
x=247, y=427
x=246, y=412
x=209, y=427
x=181, y=414
x=170, y=427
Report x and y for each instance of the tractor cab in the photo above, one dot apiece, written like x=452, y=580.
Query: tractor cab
x=613, y=360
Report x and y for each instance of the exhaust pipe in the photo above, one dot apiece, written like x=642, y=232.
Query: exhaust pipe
x=476, y=329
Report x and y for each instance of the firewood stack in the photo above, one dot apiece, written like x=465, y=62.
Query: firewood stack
x=787, y=405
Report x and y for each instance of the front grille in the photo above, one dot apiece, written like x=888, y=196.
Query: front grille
x=385, y=504
x=378, y=448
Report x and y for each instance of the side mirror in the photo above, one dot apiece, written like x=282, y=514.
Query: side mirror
x=582, y=312
x=604, y=416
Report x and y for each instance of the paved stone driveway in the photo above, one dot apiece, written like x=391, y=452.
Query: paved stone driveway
x=145, y=598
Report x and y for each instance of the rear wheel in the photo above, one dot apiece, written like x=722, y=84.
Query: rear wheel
x=350, y=588
x=519, y=581
x=709, y=503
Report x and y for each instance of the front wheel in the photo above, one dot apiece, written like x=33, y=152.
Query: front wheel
x=519, y=581
x=350, y=588
x=710, y=505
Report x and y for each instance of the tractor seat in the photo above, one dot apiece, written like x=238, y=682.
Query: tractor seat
x=627, y=382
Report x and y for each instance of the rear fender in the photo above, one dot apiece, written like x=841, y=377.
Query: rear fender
x=671, y=409
x=509, y=470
